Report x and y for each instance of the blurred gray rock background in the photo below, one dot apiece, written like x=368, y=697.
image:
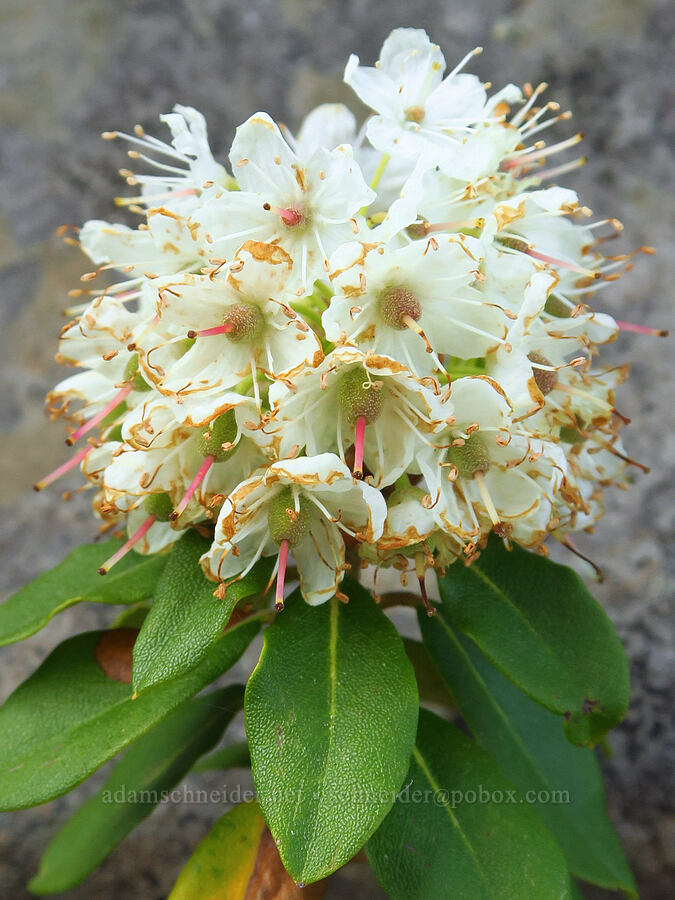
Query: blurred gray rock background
x=70, y=69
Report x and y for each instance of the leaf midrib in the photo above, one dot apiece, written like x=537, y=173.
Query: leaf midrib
x=474, y=570
x=332, y=679
x=421, y=762
x=536, y=772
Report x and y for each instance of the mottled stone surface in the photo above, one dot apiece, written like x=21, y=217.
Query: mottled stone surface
x=72, y=68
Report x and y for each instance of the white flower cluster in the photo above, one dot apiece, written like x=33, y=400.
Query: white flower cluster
x=353, y=347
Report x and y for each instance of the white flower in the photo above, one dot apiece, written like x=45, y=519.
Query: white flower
x=413, y=303
x=307, y=207
x=240, y=329
x=187, y=166
x=359, y=400
x=301, y=505
x=489, y=473
x=274, y=328
x=327, y=126
x=98, y=343
x=417, y=109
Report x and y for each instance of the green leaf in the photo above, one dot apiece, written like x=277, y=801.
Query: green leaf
x=74, y=580
x=151, y=767
x=224, y=862
x=432, y=688
x=563, y=783
x=540, y=627
x=330, y=710
x=453, y=833
x=69, y=717
x=186, y=619
x=233, y=756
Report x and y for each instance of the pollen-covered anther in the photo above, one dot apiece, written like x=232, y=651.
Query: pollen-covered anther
x=545, y=378
x=398, y=306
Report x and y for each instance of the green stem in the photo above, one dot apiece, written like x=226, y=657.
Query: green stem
x=307, y=311
x=379, y=171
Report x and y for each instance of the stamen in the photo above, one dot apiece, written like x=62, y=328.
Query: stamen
x=281, y=576
x=535, y=155
x=125, y=548
x=521, y=246
x=572, y=547
x=489, y=505
x=562, y=170
x=642, y=329
x=208, y=332
x=62, y=469
x=421, y=571
x=422, y=229
x=194, y=484
x=410, y=323
x=100, y=416
x=359, y=441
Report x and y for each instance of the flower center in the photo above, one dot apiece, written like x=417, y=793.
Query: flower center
x=245, y=320
x=397, y=305
x=359, y=397
x=286, y=523
x=469, y=458
x=290, y=215
x=415, y=114
x=220, y=441
x=544, y=379
x=158, y=505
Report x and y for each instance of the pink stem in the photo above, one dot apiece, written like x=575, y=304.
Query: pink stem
x=125, y=548
x=281, y=575
x=100, y=416
x=561, y=263
x=62, y=469
x=359, y=441
x=194, y=484
x=641, y=329
x=207, y=332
